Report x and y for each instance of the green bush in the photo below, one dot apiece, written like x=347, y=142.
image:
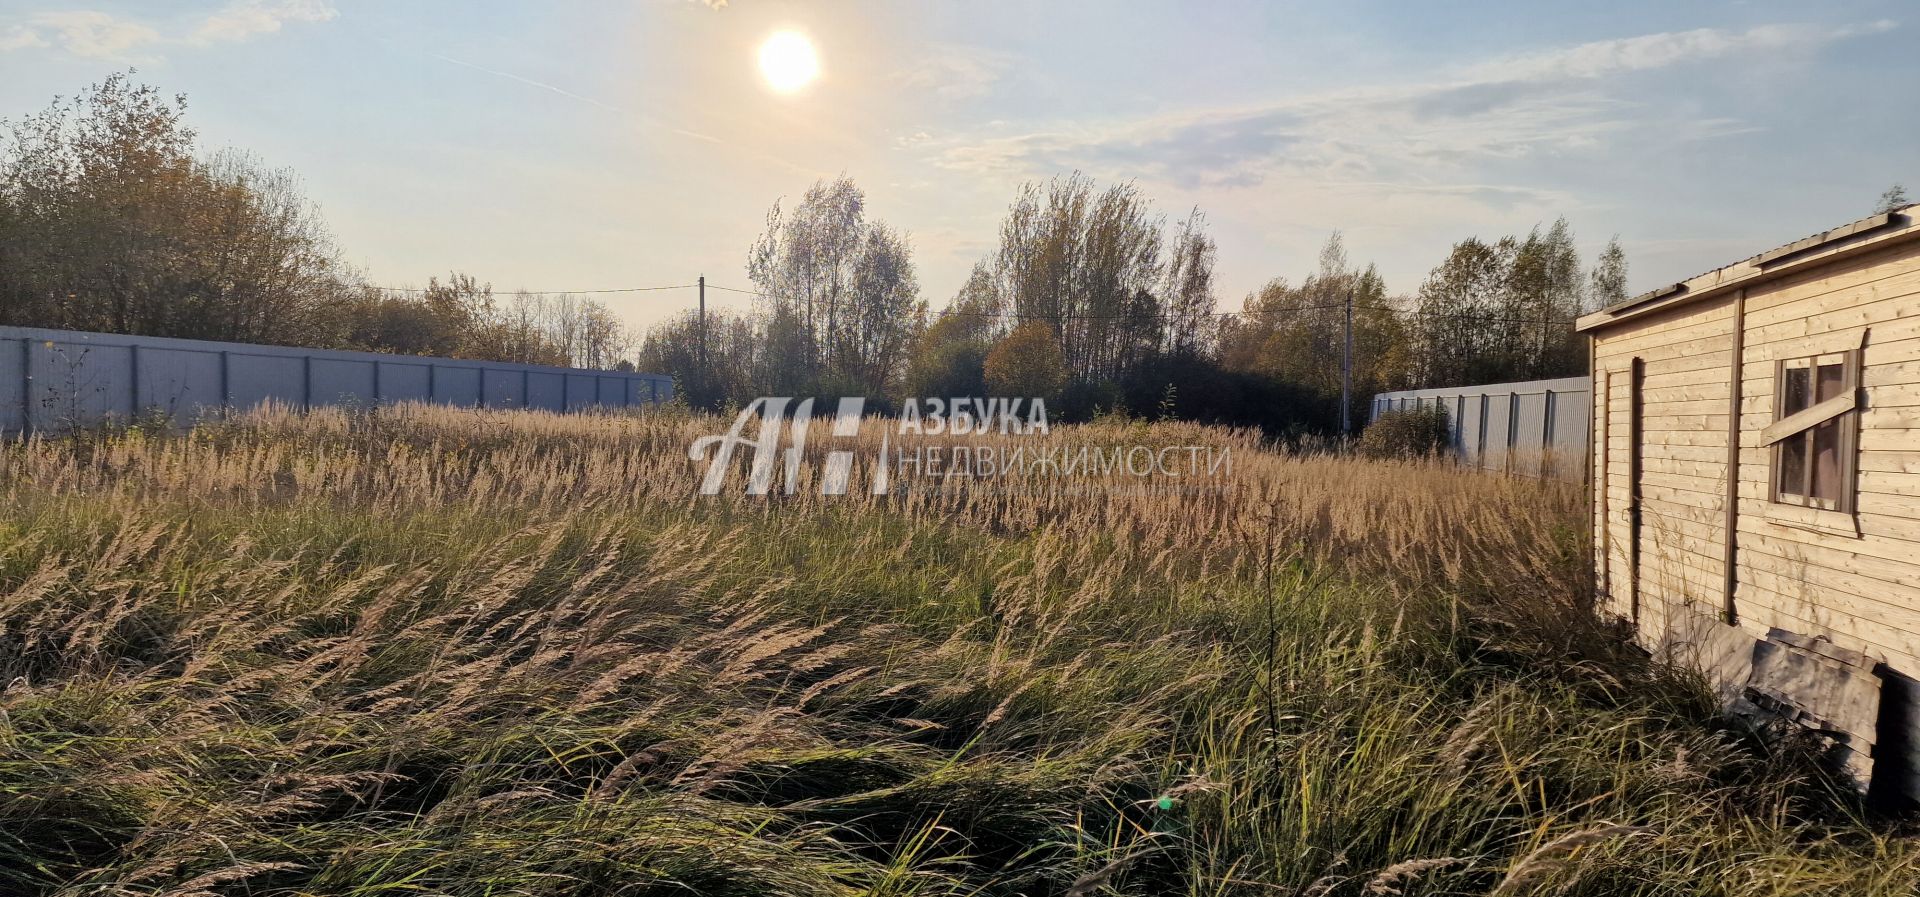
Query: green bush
x=1407, y=433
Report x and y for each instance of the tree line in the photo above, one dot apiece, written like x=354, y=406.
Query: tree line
x=111, y=219
x=1095, y=302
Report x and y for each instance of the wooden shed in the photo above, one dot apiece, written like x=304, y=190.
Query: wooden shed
x=1756, y=484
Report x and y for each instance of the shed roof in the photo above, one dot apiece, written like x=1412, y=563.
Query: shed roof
x=1871, y=232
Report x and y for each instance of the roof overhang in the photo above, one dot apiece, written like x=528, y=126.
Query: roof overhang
x=1868, y=234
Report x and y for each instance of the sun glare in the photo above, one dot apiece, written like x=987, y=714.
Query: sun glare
x=788, y=62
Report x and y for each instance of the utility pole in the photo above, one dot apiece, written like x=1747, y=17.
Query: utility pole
x=703, y=332
x=1346, y=374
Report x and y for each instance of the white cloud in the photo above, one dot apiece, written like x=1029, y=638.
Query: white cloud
x=957, y=72
x=1401, y=166
x=1360, y=135
x=100, y=35
x=18, y=37
x=1432, y=138
x=1651, y=51
x=245, y=18
x=96, y=35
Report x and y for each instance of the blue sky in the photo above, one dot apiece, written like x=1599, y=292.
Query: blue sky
x=577, y=145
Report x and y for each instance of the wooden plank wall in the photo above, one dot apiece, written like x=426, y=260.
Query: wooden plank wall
x=1863, y=592
x=1854, y=580
x=1687, y=357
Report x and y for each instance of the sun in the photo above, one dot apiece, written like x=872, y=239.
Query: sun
x=788, y=62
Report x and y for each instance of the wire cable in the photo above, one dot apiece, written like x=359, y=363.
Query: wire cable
x=676, y=286
x=1416, y=313
x=714, y=286
x=1412, y=313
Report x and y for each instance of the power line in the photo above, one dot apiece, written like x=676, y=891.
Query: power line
x=1471, y=315
x=1415, y=313
x=676, y=286
x=1489, y=319
x=994, y=314
x=1007, y=314
x=1070, y=317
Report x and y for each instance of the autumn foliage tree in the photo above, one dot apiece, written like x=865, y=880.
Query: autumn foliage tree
x=839, y=290
x=110, y=221
x=1608, y=281
x=950, y=355
x=1503, y=310
x=1027, y=363
x=735, y=358
x=1094, y=265
x=1297, y=333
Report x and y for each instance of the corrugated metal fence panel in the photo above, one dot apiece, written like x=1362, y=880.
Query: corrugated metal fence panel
x=55, y=378
x=13, y=370
x=1534, y=428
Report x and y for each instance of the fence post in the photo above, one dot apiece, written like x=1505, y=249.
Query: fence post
x=1346, y=375
x=26, y=386
x=1513, y=431
x=1458, y=426
x=1480, y=453
x=1546, y=435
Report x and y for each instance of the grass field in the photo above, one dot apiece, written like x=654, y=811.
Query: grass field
x=493, y=653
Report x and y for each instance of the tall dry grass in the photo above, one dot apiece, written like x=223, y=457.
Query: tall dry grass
x=491, y=653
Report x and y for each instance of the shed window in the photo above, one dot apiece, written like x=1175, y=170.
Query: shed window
x=1815, y=425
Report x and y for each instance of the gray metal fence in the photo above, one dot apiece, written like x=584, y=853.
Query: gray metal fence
x=1540, y=427
x=51, y=379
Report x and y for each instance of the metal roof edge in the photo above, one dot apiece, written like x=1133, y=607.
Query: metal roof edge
x=1525, y=387
x=1872, y=232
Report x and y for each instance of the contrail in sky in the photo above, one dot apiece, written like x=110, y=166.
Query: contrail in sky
x=529, y=82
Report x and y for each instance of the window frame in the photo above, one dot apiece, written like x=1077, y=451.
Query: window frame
x=1803, y=505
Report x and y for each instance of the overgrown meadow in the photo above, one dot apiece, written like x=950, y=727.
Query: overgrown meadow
x=436, y=651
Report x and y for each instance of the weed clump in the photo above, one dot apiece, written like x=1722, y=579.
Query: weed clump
x=1408, y=434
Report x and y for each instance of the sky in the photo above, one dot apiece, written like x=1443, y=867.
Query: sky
x=597, y=145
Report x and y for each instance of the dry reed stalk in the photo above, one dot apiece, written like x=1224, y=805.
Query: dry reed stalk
x=1393, y=880
x=1557, y=854
x=522, y=643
